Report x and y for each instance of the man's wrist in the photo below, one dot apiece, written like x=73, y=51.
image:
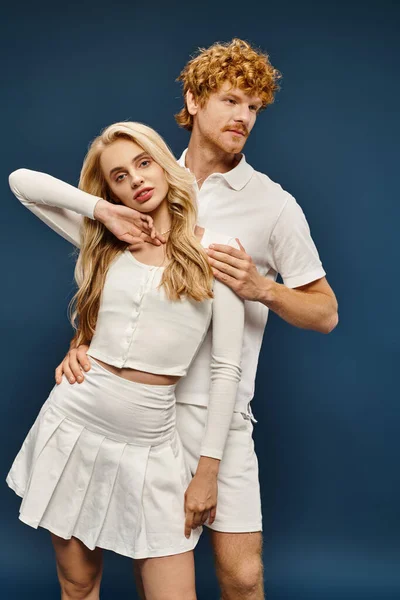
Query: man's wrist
x=268, y=290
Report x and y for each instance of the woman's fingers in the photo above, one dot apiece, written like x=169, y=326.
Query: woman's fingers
x=204, y=516
x=136, y=243
x=147, y=221
x=213, y=513
x=188, y=522
x=197, y=520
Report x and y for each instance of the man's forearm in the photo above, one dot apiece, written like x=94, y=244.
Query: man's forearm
x=305, y=309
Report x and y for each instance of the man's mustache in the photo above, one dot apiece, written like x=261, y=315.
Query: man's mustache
x=240, y=128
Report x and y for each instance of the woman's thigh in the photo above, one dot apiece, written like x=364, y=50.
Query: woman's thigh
x=78, y=568
x=168, y=577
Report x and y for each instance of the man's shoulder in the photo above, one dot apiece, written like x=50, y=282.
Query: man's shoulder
x=270, y=190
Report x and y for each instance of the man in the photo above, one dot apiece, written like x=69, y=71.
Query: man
x=225, y=87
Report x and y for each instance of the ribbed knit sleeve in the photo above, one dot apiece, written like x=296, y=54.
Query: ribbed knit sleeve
x=227, y=338
x=60, y=205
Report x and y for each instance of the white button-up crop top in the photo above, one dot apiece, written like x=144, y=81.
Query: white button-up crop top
x=138, y=327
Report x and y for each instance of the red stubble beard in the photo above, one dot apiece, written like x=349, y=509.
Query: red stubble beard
x=238, y=142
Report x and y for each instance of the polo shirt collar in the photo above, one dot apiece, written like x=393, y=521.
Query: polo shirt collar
x=236, y=178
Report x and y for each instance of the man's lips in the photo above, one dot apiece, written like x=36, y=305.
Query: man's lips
x=237, y=132
x=143, y=195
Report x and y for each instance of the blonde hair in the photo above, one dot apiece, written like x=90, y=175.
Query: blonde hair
x=188, y=272
x=237, y=62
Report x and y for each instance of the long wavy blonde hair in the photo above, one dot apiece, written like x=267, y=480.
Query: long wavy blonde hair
x=187, y=274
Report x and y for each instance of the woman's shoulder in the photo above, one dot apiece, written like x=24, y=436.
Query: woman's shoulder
x=214, y=237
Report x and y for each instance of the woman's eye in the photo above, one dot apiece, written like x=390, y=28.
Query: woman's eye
x=231, y=101
x=120, y=177
x=145, y=163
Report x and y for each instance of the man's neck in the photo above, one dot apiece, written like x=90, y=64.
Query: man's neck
x=203, y=160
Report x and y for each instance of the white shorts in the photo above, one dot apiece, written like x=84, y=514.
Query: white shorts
x=239, y=503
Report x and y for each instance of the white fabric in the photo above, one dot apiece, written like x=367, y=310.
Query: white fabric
x=271, y=226
x=239, y=501
x=138, y=327
x=103, y=462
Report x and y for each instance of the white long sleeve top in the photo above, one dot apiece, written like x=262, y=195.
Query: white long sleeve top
x=138, y=327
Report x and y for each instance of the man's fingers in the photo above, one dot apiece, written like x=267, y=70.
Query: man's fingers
x=67, y=371
x=58, y=374
x=225, y=268
x=234, y=252
x=74, y=366
x=228, y=259
x=82, y=357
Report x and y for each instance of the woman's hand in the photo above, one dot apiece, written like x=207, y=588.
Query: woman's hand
x=127, y=224
x=73, y=365
x=201, y=495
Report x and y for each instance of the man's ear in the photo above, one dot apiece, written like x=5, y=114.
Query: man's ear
x=191, y=103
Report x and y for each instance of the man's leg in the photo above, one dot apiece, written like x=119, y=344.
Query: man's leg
x=236, y=532
x=239, y=568
x=138, y=579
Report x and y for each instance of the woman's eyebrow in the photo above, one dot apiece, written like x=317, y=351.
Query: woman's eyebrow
x=115, y=169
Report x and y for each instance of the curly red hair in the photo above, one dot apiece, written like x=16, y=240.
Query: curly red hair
x=237, y=62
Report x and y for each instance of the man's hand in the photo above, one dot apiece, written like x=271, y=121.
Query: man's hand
x=127, y=224
x=75, y=362
x=201, y=495
x=236, y=269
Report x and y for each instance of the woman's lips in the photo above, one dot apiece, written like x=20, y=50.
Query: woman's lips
x=144, y=197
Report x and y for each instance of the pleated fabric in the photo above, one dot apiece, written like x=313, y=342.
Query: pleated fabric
x=103, y=462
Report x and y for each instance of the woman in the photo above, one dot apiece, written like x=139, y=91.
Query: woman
x=102, y=466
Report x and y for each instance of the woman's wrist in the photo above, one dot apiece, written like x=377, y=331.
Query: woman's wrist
x=101, y=210
x=208, y=466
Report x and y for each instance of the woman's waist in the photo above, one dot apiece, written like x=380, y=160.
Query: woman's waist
x=134, y=369
x=106, y=403
x=137, y=376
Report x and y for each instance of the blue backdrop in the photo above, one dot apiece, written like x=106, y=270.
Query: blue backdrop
x=327, y=406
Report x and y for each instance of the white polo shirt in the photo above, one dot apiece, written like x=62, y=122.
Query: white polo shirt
x=271, y=226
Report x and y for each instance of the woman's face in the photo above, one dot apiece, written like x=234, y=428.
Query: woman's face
x=133, y=176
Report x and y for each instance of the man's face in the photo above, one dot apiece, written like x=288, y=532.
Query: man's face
x=227, y=118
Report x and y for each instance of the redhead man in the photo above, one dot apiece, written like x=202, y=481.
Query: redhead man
x=225, y=87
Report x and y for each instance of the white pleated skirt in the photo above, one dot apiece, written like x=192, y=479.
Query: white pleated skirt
x=103, y=462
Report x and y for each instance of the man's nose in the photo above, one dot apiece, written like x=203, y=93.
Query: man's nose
x=243, y=115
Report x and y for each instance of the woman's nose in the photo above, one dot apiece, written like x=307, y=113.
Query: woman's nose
x=136, y=180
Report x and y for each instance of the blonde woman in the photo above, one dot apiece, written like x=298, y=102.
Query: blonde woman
x=102, y=467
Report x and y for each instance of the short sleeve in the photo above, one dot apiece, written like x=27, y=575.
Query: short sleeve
x=291, y=249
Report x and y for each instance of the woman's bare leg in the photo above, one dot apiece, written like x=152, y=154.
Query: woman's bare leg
x=79, y=569
x=168, y=577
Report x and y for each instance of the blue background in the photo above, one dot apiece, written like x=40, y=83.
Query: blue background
x=327, y=406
